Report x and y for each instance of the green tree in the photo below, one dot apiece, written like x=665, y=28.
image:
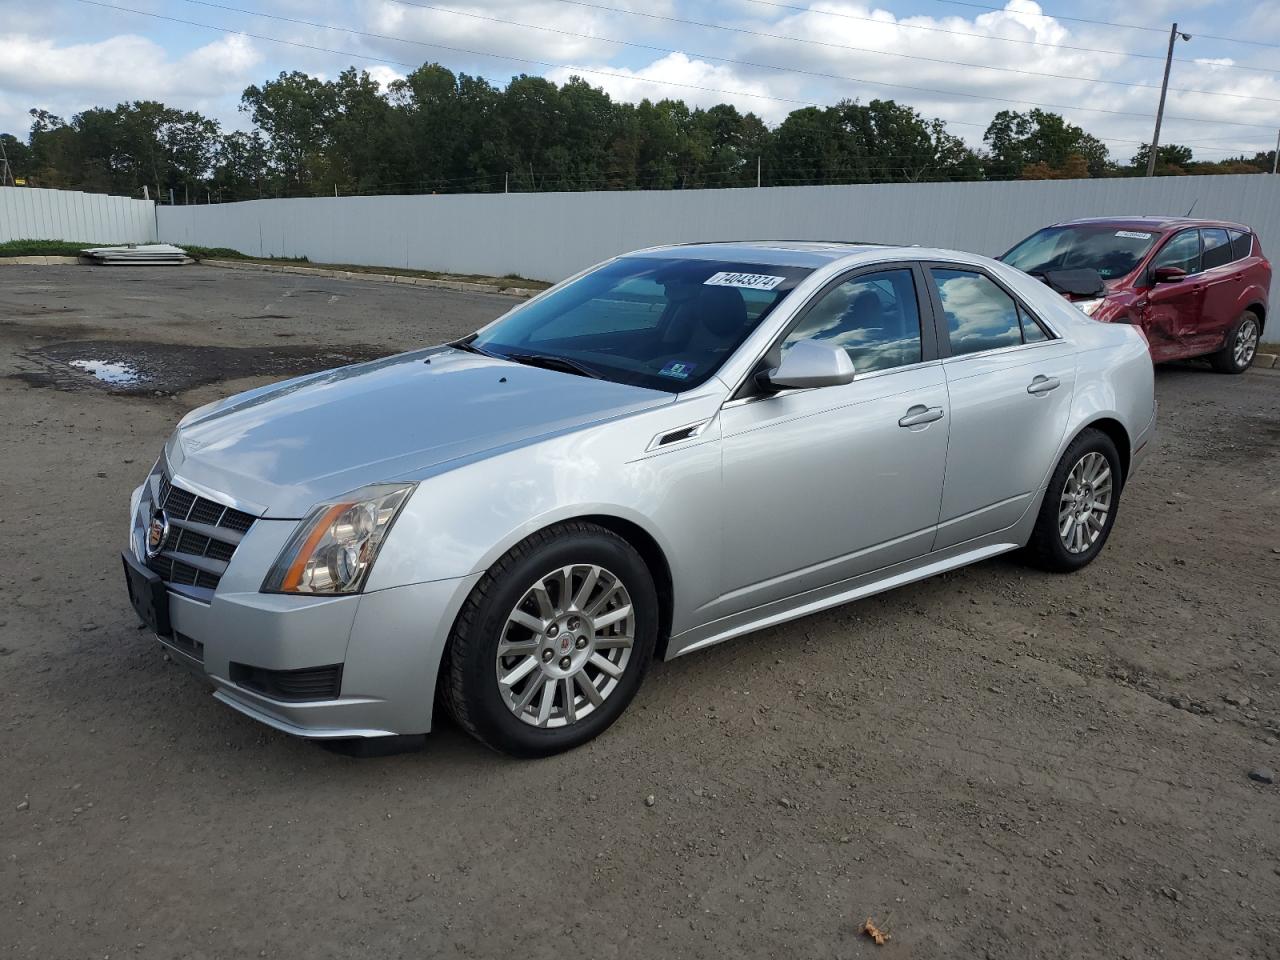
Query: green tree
x=295, y=112
x=1172, y=159
x=1016, y=141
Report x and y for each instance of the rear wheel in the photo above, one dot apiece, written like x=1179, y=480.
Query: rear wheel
x=1241, y=346
x=1080, y=505
x=553, y=642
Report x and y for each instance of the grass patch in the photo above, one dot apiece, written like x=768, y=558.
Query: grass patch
x=502, y=283
x=44, y=248
x=64, y=248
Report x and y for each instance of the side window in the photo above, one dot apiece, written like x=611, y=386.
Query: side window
x=1032, y=332
x=1182, y=251
x=1216, y=248
x=875, y=317
x=980, y=316
x=1241, y=244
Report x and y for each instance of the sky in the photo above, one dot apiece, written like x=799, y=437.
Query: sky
x=1098, y=63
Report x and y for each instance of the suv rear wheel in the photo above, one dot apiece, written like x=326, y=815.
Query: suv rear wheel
x=1241, y=346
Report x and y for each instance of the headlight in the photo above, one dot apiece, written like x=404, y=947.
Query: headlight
x=1090, y=307
x=333, y=549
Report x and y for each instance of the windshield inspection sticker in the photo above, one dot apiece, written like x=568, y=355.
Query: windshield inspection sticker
x=1133, y=235
x=678, y=369
x=751, y=281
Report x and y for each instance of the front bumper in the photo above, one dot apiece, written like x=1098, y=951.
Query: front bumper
x=387, y=644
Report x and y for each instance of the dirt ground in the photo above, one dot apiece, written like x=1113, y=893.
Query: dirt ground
x=995, y=763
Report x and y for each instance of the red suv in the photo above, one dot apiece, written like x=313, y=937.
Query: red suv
x=1196, y=288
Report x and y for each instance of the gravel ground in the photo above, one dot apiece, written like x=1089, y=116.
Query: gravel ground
x=994, y=763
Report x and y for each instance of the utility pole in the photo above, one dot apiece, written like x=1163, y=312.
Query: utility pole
x=506, y=182
x=6, y=172
x=1164, y=89
x=757, y=171
x=1275, y=157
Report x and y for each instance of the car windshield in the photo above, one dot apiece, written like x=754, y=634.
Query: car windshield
x=1112, y=251
x=652, y=322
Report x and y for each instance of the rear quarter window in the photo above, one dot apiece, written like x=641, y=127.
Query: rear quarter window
x=1241, y=244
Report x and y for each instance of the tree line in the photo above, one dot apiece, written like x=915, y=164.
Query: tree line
x=439, y=132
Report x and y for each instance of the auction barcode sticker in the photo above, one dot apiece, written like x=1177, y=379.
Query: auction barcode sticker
x=752, y=281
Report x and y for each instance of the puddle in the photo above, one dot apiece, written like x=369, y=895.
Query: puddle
x=140, y=368
x=109, y=371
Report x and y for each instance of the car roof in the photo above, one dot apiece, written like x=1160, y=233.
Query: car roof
x=783, y=253
x=1155, y=223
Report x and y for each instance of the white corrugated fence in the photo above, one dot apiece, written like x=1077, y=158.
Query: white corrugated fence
x=30, y=213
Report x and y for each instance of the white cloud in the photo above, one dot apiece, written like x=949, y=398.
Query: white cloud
x=67, y=63
x=66, y=79
x=676, y=76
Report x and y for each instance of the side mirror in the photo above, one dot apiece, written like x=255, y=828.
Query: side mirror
x=1168, y=275
x=810, y=363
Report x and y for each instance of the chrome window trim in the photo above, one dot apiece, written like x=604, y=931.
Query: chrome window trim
x=999, y=350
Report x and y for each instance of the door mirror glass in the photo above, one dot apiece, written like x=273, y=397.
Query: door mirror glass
x=1168, y=275
x=811, y=363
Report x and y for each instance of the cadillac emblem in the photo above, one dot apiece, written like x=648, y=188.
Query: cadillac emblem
x=157, y=534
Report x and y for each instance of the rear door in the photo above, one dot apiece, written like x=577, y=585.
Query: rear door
x=1223, y=284
x=1009, y=382
x=1171, y=317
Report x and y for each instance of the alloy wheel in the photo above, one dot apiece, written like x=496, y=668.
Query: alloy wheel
x=1246, y=344
x=1085, y=503
x=565, y=645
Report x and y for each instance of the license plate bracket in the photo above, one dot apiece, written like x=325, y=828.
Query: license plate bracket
x=147, y=594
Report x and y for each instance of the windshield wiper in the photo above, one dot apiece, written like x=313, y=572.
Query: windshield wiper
x=470, y=347
x=549, y=362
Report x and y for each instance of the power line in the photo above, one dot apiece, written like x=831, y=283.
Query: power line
x=900, y=24
x=1052, y=16
x=616, y=75
x=1100, y=23
x=785, y=37
x=399, y=63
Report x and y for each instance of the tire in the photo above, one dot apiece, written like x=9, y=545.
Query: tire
x=505, y=607
x=1062, y=544
x=1241, y=345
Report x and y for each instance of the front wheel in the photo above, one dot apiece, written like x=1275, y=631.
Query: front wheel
x=553, y=642
x=1080, y=505
x=1241, y=347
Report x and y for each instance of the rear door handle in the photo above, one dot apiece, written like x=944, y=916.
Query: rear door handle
x=1042, y=384
x=920, y=414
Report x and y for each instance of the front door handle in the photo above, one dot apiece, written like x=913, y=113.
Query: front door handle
x=1042, y=384
x=920, y=414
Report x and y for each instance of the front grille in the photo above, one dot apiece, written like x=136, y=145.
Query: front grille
x=189, y=557
x=184, y=505
x=312, y=683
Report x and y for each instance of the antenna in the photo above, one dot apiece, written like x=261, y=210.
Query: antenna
x=1193, y=205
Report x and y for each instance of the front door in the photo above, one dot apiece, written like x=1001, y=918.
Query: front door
x=1010, y=382
x=822, y=485
x=1171, y=316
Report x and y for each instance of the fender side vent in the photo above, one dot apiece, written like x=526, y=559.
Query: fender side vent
x=678, y=435
x=675, y=436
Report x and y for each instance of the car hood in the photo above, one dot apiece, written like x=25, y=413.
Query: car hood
x=279, y=450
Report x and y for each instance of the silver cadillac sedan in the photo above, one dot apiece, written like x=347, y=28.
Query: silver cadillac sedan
x=668, y=450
